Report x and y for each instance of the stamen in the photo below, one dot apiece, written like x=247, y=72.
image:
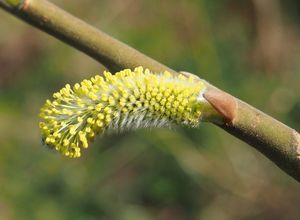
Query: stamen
x=114, y=103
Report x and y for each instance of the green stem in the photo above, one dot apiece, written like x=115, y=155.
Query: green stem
x=114, y=54
x=275, y=140
x=278, y=142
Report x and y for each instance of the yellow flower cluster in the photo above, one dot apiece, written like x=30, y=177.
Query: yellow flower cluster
x=126, y=100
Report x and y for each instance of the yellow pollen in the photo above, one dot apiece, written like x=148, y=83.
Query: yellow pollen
x=126, y=100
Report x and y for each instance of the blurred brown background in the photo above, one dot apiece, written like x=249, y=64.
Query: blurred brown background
x=248, y=48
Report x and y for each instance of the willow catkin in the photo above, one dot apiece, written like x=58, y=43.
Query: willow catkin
x=124, y=101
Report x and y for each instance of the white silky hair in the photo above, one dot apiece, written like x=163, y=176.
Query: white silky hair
x=137, y=120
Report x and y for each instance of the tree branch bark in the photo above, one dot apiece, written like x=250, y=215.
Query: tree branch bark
x=278, y=142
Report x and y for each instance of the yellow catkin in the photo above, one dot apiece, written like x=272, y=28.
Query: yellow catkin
x=126, y=100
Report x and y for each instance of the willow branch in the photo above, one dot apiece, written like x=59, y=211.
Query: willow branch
x=278, y=142
x=114, y=54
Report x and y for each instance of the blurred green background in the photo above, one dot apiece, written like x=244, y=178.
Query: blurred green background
x=248, y=48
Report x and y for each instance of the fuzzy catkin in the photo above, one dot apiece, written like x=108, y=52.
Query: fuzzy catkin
x=124, y=101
